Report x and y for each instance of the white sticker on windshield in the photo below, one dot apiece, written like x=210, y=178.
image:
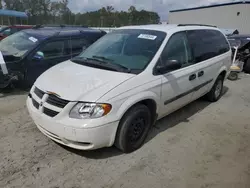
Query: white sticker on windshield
x=33, y=39
x=248, y=38
x=146, y=36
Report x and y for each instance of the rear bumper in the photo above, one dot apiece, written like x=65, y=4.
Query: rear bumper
x=68, y=135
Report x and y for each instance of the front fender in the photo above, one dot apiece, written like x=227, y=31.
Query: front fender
x=129, y=102
x=223, y=68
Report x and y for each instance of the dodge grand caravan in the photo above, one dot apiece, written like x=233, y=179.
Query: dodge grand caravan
x=113, y=92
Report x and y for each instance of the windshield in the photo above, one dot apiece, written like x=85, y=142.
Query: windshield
x=132, y=49
x=18, y=44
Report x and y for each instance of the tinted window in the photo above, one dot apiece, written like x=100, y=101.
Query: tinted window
x=53, y=49
x=207, y=44
x=177, y=48
x=77, y=45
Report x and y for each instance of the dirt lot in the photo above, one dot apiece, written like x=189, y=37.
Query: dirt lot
x=200, y=146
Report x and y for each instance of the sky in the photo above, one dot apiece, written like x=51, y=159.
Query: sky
x=160, y=6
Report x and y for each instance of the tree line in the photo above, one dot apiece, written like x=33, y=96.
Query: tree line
x=58, y=12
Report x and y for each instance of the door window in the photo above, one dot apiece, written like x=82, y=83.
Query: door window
x=177, y=48
x=78, y=45
x=207, y=44
x=52, y=49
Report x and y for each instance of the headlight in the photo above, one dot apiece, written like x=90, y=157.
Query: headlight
x=89, y=110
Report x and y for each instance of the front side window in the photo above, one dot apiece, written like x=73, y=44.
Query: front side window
x=131, y=49
x=78, y=45
x=177, y=48
x=18, y=44
x=52, y=49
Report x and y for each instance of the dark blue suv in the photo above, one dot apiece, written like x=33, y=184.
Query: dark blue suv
x=27, y=54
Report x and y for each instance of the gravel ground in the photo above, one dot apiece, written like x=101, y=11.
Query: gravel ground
x=203, y=145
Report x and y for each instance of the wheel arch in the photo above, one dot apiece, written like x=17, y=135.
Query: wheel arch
x=148, y=99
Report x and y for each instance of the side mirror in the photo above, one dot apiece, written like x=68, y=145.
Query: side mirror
x=39, y=56
x=169, y=66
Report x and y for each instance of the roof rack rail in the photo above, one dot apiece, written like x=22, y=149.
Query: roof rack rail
x=196, y=25
x=61, y=25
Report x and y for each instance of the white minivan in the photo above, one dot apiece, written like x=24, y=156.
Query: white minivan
x=113, y=92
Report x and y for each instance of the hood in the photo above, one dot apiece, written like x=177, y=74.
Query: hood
x=76, y=82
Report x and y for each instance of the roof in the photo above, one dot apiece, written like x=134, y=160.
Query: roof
x=46, y=32
x=158, y=27
x=211, y=6
x=167, y=27
x=13, y=13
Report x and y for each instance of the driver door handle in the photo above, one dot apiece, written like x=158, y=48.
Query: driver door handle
x=192, y=77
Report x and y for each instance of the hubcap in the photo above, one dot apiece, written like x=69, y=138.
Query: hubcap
x=218, y=89
x=136, y=129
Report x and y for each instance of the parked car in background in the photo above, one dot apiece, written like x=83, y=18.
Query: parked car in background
x=244, y=49
x=115, y=90
x=28, y=53
x=6, y=31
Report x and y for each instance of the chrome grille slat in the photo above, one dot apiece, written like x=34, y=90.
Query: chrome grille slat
x=56, y=101
x=39, y=92
x=35, y=103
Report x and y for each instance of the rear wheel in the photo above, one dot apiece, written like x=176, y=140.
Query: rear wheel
x=133, y=128
x=216, y=91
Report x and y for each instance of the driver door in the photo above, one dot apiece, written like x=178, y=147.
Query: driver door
x=177, y=85
x=46, y=56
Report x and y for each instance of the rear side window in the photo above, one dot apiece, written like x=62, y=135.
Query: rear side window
x=53, y=49
x=207, y=44
x=78, y=45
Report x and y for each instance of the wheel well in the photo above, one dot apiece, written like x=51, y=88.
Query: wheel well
x=151, y=104
x=223, y=73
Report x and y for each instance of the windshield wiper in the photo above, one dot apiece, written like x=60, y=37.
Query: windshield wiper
x=107, y=61
x=102, y=57
x=101, y=63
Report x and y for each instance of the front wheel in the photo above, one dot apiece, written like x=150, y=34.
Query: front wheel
x=216, y=91
x=133, y=128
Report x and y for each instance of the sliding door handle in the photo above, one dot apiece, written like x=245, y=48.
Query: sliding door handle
x=200, y=74
x=192, y=77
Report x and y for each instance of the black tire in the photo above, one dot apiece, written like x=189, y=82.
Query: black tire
x=247, y=66
x=133, y=128
x=233, y=76
x=215, y=94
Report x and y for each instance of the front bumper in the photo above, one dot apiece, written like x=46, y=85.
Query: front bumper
x=67, y=133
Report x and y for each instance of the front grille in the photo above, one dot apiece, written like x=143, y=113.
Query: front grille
x=35, y=103
x=56, y=101
x=39, y=92
x=49, y=112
